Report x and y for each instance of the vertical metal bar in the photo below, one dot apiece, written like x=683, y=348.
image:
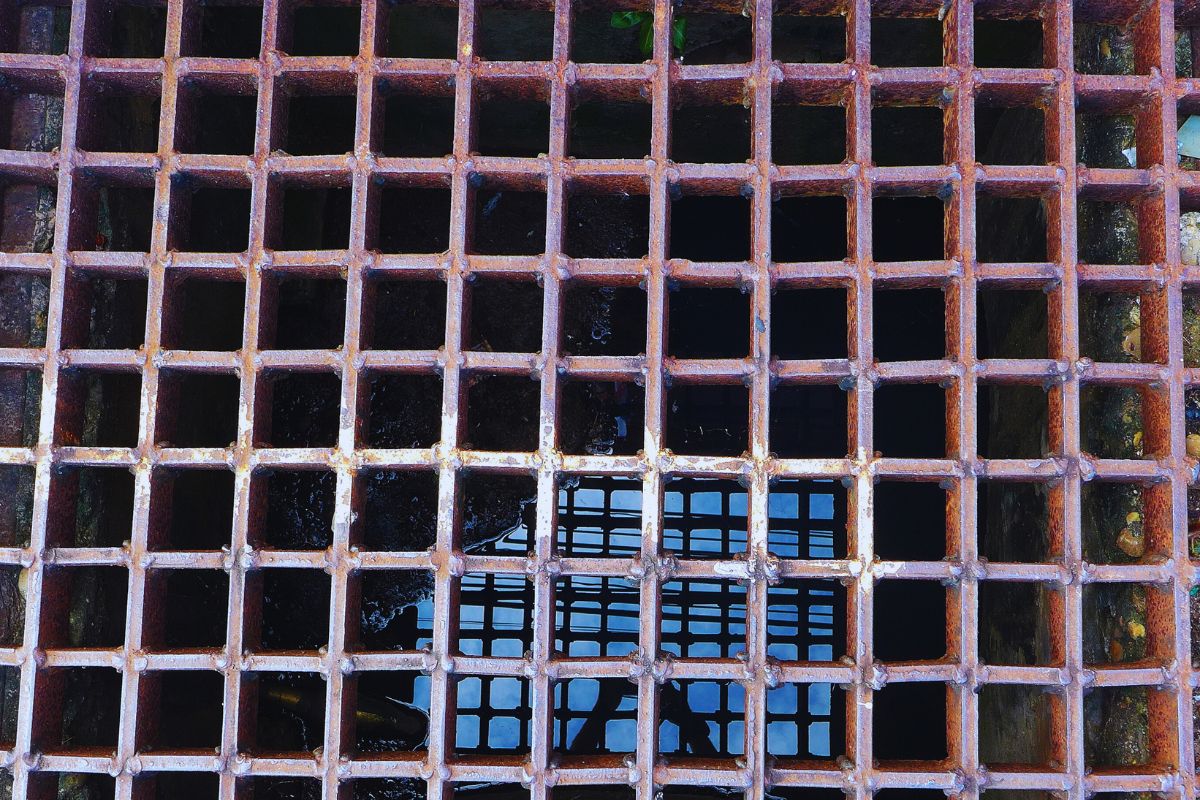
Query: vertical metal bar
x=650, y=628
x=860, y=533
x=760, y=89
x=239, y=717
x=1066, y=522
x=33, y=678
x=962, y=702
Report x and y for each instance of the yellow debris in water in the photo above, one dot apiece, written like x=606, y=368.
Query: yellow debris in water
x=1137, y=438
x=1131, y=543
x=1136, y=629
x=1193, y=445
x=1132, y=517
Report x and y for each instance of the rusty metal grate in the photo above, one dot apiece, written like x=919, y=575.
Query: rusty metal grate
x=163, y=184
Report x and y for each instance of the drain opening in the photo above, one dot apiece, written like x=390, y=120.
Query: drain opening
x=595, y=716
x=299, y=409
x=595, y=40
x=12, y=622
x=818, y=131
x=502, y=413
x=414, y=119
x=1012, y=323
x=38, y=28
x=195, y=606
x=505, y=316
x=599, y=516
x=910, y=324
x=84, y=709
x=709, y=227
x=1020, y=729
x=396, y=611
x=20, y=203
x=1014, y=519
x=910, y=725
x=223, y=31
x=1008, y=42
x=492, y=715
x=908, y=228
x=1009, y=405
x=595, y=616
x=607, y=225
x=204, y=314
x=403, y=411
x=228, y=114
x=290, y=712
x=309, y=217
x=391, y=712
x=495, y=615
x=807, y=38
x=809, y=323
x=705, y=323
x=309, y=312
x=515, y=34
x=1014, y=620
x=320, y=31
x=110, y=312
x=808, y=228
x=412, y=219
x=604, y=320
x=122, y=116
x=910, y=620
x=317, y=121
x=299, y=509
x=9, y=700
x=702, y=718
x=189, y=706
x=197, y=409
x=1009, y=130
x=188, y=785
x=906, y=135
x=91, y=507
x=508, y=221
x=292, y=611
x=906, y=42
x=706, y=132
x=806, y=720
x=1116, y=520
x=417, y=30
x=192, y=509
x=512, y=121
x=404, y=314
x=208, y=218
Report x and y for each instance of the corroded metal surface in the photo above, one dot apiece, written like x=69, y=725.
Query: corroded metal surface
x=1158, y=185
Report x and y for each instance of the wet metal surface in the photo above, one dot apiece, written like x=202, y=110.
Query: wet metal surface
x=158, y=179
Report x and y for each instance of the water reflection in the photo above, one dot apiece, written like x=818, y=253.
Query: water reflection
x=600, y=616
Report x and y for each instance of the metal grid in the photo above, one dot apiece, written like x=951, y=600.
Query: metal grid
x=1160, y=187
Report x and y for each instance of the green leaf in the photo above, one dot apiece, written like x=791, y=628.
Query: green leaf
x=679, y=33
x=646, y=37
x=627, y=19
